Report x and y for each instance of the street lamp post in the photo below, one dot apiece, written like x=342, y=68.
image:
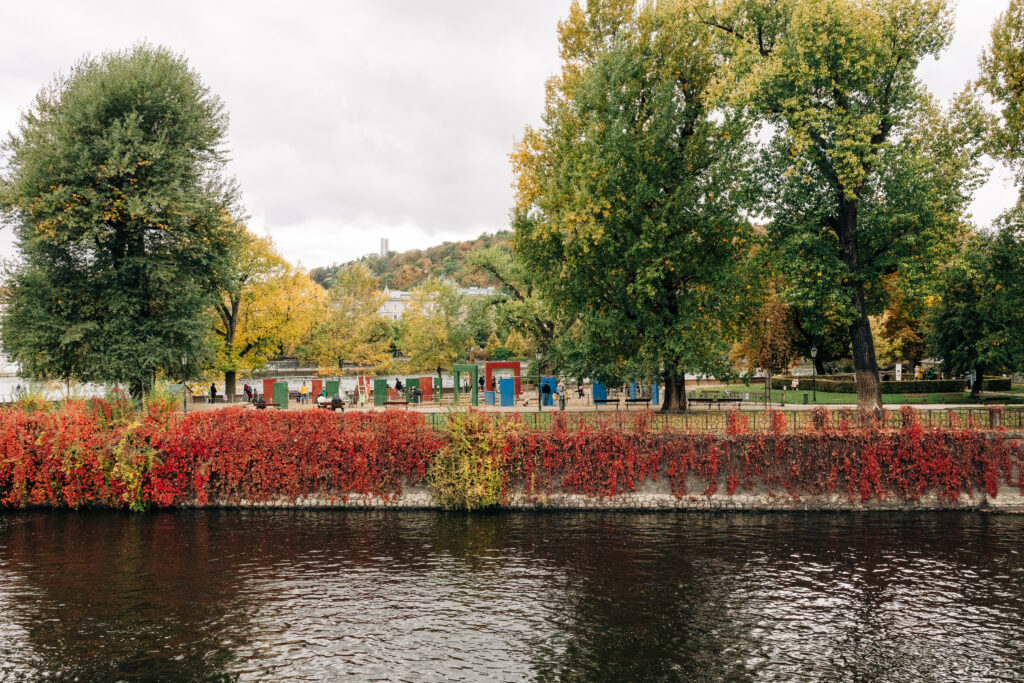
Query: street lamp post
x=814, y=373
x=184, y=366
x=540, y=400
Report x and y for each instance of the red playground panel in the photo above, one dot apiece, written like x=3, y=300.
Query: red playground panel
x=514, y=366
x=268, y=389
x=318, y=386
x=427, y=387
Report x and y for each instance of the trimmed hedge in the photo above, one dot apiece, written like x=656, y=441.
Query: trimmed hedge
x=847, y=385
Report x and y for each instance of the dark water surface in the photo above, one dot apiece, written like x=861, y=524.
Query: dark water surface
x=260, y=595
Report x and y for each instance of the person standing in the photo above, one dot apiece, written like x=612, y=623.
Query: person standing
x=303, y=393
x=213, y=392
x=546, y=390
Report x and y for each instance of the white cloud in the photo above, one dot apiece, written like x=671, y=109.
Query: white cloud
x=352, y=121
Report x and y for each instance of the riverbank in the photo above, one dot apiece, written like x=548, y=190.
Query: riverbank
x=102, y=455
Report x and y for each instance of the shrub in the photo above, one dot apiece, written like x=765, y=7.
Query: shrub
x=467, y=473
x=101, y=454
x=849, y=386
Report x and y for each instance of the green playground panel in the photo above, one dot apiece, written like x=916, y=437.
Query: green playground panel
x=380, y=391
x=410, y=384
x=281, y=394
x=333, y=388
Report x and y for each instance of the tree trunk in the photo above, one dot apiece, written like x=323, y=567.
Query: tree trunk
x=230, y=379
x=819, y=364
x=137, y=389
x=675, y=393
x=865, y=364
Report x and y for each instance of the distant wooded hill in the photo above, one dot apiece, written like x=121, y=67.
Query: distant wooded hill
x=406, y=269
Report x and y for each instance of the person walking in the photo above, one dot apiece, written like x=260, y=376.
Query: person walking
x=546, y=390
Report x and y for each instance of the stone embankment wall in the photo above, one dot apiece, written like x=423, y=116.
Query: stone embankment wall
x=658, y=496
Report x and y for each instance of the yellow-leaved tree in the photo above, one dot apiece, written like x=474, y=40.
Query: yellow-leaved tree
x=353, y=332
x=432, y=333
x=269, y=308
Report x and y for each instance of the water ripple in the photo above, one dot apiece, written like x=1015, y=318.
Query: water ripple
x=261, y=596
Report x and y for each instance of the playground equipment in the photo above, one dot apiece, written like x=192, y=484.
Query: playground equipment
x=474, y=373
x=515, y=366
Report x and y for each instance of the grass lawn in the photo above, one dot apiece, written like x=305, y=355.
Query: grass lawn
x=828, y=398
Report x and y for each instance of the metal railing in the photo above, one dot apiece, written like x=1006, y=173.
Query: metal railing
x=757, y=420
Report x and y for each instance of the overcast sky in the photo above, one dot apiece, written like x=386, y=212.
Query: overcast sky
x=352, y=121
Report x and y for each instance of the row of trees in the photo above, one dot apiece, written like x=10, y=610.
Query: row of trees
x=675, y=128
x=134, y=255
x=715, y=182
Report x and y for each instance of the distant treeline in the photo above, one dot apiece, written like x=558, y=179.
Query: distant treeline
x=406, y=269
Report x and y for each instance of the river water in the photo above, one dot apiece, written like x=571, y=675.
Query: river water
x=317, y=595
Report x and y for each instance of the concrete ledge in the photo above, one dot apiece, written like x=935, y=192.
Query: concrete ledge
x=653, y=496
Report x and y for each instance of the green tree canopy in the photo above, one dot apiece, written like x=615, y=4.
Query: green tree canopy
x=627, y=214
x=864, y=176
x=976, y=319
x=1002, y=77
x=122, y=220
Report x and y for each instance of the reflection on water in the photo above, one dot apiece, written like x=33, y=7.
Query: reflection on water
x=411, y=596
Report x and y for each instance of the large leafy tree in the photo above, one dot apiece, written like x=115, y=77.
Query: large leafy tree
x=353, y=331
x=432, y=331
x=520, y=307
x=268, y=308
x=976, y=317
x=864, y=176
x=122, y=220
x=626, y=213
x=1002, y=77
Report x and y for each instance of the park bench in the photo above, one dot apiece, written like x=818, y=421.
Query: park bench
x=703, y=401
x=915, y=398
x=606, y=401
x=993, y=400
x=635, y=401
x=263, y=405
x=332, y=405
x=729, y=402
x=952, y=398
x=396, y=403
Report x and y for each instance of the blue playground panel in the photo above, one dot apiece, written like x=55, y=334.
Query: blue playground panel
x=632, y=389
x=507, y=388
x=598, y=392
x=488, y=398
x=553, y=383
x=654, y=394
